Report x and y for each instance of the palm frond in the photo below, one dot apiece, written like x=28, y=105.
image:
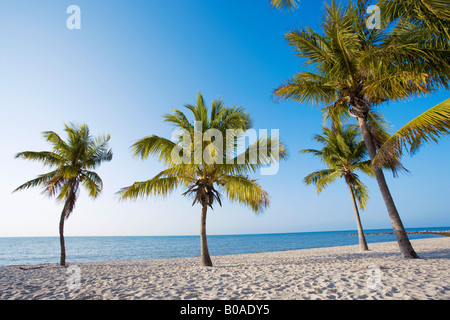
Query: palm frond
x=98, y=151
x=41, y=180
x=307, y=87
x=365, y=167
x=159, y=186
x=284, y=5
x=361, y=193
x=154, y=145
x=179, y=120
x=47, y=158
x=246, y=191
x=266, y=150
x=318, y=177
x=425, y=128
x=92, y=183
x=59, y=145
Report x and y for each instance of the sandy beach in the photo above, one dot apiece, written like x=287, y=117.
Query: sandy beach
x=321, y=273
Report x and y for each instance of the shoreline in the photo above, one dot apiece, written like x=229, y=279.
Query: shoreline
x=224, y=245
x=445, y=233
x=328, y=273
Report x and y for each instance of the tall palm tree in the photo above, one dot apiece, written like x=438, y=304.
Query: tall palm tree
x=207, y=169
x=343, y=153
x=351, y=68
x=73, y=162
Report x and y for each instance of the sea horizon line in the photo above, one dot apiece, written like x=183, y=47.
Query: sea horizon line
x=213, y=235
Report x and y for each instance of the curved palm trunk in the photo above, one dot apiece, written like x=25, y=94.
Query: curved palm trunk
x=61, y=237
x=67, y=210
x=404, y=244
x=362, y=239
x=204, y=253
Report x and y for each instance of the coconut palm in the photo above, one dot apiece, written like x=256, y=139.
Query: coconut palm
x=352, y=67
x=201, y=159
x=73, y=162
x=343, y=153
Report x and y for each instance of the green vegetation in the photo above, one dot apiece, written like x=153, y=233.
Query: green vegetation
x=73, y=162
x=206, y=181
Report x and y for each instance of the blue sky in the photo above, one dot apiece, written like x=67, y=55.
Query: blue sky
x=133, y=61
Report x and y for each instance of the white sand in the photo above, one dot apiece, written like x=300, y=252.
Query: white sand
x=322, y=273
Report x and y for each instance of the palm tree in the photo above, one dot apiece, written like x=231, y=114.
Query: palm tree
x=207, y=168
x=73, y=162
x=343, y=153
x=351, y=68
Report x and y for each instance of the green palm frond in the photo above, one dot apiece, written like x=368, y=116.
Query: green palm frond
x=400, y=85
x=361, y=193
x=440, y=8
x=153, y=145
x=47, y=158
x=428, y=11
x=264, y=151
x=59, y=145
x=42, y=180
x=98, y=151
x=309, y=88
x=92, y=183
x=425, y=128
x=322, y=178
x=365, y=167
x=241, y=189
x=156, y=186
x=284, y=5
x=179, y=120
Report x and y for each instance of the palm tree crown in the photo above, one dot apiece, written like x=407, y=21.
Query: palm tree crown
x=206, y=168
x=73, y=162
x=344, y=153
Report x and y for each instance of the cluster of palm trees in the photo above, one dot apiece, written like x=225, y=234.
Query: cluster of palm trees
x=354, y=70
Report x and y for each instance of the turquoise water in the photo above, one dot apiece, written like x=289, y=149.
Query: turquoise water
x=14, y=251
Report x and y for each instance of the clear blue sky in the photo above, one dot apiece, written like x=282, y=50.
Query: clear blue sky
x=133, y=61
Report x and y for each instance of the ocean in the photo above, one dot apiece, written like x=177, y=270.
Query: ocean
x=38, y=250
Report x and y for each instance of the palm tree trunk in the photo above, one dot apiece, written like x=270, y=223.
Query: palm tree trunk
x=362, y=240
x=204, y=253
x=67, y=210
x=404, y=244
x=61, y=237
